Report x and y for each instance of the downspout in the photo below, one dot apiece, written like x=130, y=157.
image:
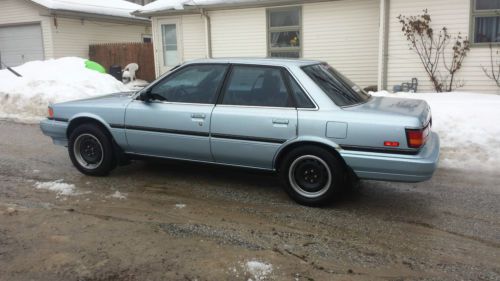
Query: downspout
x=382, y=45
x=208, y=33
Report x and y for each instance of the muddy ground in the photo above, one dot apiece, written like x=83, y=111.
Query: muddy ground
x=177, y=221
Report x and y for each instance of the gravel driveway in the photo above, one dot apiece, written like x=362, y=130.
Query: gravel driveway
x=178, y=221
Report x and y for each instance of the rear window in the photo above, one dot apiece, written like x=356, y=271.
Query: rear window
x=342, y=91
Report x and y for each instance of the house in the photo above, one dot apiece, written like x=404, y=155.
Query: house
x=44, y=29
x=361, y=38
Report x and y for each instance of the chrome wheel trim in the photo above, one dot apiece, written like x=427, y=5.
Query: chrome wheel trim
x=297, y=188
x=78, y=154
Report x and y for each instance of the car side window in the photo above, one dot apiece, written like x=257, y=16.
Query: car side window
x=256, y=86
x=191, y=84
x=301, y=98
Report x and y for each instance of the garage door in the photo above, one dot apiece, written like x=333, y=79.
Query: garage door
x=20, y=44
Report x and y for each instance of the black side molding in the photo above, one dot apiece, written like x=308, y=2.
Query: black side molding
x=379, y=149
x=160, y=130
x=247, y=138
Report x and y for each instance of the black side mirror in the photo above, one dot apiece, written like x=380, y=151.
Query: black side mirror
x=145, y=95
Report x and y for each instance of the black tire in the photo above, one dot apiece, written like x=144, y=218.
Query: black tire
x=312, y=175
x=88, y=143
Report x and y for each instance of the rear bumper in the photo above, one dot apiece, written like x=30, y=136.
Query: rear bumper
x=395, y=167
x=56, y=130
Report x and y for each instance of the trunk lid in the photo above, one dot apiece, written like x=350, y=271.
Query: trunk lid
x=397, y=107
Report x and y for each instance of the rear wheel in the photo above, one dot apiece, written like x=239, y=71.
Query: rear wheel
x=313, y=176
x=91, y=150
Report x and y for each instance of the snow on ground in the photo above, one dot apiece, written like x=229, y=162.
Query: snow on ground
x=118, y=195
x=468, y=126
x=117, y=8
x=259, y=270
x=57, y=186
x=26, y=98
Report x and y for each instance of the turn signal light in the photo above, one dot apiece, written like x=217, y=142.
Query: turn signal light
x=51, y=113
x=391, y=143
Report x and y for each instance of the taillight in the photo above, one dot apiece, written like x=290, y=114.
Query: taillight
x=417, y=138
x=51, y=113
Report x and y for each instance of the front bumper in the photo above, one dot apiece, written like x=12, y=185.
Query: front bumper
x=395, y=167
x=56, y=130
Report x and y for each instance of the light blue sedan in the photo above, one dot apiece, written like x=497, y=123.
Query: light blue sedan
x=300, y=118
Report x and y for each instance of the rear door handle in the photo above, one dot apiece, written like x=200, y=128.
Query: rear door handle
x=281, y=121
x=198, y=115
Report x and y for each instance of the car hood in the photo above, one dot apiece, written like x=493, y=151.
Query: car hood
x=396, y=107
x=122, y=96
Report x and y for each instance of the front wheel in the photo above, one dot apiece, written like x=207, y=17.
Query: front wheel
x=313, y=176
x=91, y=150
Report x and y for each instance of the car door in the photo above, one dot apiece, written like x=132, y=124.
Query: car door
x=255, y=115
x=175, y=121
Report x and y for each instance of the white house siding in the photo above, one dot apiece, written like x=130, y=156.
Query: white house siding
x=345, y=34
x=403, y=64
x=239, y=33
x=16, y=12
x=72, y=37
x=193, y=37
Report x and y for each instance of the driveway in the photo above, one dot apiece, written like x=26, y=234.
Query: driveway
x=178, y=221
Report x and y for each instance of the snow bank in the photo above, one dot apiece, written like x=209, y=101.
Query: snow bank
x=117, y=8
x=468, y=125
x=26, y=98
x=57, y=186
x=259, y=270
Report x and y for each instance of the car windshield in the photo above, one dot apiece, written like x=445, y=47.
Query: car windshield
x=342, y=91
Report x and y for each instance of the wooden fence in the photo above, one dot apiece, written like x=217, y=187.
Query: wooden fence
x=123, y=54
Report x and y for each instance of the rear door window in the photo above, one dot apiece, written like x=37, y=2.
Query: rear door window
x=256, y=86
x=301, y=98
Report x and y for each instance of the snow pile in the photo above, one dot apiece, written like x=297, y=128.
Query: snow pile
x=26, y=98
x=163, y=5
x=259, y=270
x=117, y=8
x=468, y=126
x=57, y=186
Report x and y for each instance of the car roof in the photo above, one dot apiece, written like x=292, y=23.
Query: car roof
x=258, y=61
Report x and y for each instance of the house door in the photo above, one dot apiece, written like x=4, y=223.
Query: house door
x=170, y=53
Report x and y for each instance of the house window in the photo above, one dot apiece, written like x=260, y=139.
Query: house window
x=486, y=21
x=284, y=32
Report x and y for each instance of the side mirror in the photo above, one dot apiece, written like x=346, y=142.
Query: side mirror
x=145, y=95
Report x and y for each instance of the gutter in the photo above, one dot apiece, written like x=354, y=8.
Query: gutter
x=383, y=38
x=208, y=33
x=191, y=9
x=110, y=18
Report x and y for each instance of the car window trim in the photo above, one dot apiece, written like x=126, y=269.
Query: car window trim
x=228, y=76
x=179, y=68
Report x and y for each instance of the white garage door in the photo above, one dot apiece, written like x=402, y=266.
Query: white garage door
x=20, y=44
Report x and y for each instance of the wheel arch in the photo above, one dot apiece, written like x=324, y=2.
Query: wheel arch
x=80, y=119
x=323, y=143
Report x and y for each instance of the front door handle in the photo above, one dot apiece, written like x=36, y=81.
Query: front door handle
x=198, y=115
x=281, y=121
